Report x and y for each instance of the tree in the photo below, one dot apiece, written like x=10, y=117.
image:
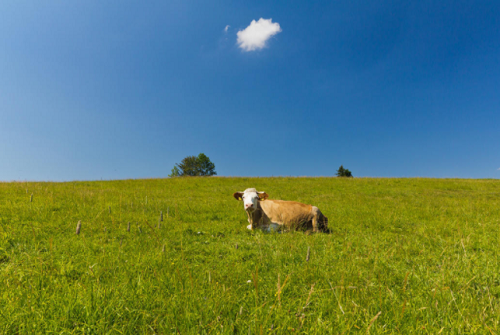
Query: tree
x=175, y=172
x=194, y=166
x=206, y=167
x=341, y=172
x=188, y=166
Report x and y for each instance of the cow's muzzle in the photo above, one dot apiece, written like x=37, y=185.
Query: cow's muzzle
x=249, y=207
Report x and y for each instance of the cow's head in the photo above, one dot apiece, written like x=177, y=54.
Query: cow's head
x=250, y=198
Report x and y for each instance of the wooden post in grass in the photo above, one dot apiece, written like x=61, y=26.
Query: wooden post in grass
x=109, y=208
x=161, y=216
x=308, y=253
x=78, y=227
x=31, y=197
x=128, y=227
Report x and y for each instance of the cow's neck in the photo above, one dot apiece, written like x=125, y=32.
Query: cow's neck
x=255, y=217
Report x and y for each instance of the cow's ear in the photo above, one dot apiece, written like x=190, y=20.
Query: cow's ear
x=263, y=196
x=238, y=195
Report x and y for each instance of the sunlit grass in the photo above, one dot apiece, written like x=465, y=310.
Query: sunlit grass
x=422, y=252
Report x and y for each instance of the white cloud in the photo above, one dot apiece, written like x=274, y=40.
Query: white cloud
x=255, y=36
x=227, y=28
x=498, y=169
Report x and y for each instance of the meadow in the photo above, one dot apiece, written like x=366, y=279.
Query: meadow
x=404, y=256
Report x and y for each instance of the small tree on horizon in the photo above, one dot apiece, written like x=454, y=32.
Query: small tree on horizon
x=188, y=166
x=205, y=166
x=341, y=172
x=194, y=166
x=175, y=172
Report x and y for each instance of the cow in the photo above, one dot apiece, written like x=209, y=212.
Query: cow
x=267, y=214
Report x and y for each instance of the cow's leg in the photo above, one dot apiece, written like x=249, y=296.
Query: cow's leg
x=250, y=220
x=315, y=224
x=275, y=227
x=315, y=212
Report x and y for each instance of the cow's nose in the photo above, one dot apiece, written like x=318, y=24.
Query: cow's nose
x=249, y=205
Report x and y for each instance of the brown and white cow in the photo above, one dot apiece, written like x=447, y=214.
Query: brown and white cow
x=267, y=214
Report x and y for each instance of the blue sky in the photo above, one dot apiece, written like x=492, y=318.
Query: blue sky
x=125, y=89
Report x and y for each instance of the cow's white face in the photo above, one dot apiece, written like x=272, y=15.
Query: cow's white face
x=250, y=198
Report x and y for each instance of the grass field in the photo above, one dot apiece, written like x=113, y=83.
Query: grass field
x=405, y=256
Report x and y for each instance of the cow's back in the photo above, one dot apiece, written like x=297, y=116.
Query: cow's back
x=287, y=213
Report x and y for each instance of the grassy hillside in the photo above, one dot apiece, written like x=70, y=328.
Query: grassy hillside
x=404, y=256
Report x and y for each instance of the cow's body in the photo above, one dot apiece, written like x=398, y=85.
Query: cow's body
x=279, y=214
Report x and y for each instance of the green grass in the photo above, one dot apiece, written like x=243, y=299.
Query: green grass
x=423, y=252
